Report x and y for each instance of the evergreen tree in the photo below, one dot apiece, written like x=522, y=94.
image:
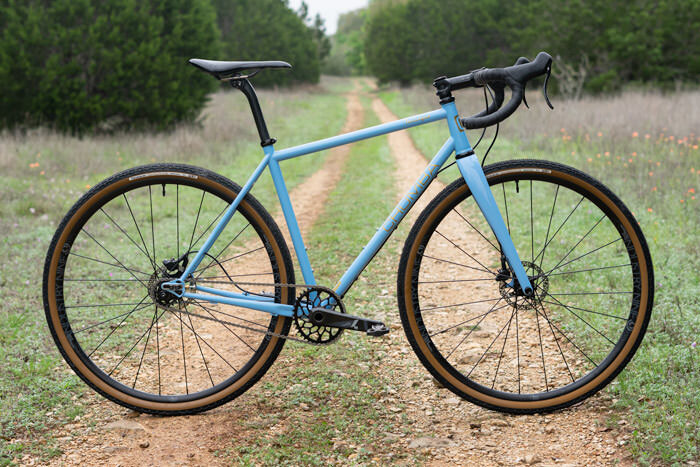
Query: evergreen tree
x=82, y=64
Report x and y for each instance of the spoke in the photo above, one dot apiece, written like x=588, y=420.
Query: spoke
x=589, y=293
x=579, y=242
x=138, y=370
x=199, y=304
x=491, y=344
x=196, y=220
x=560, y=227
x=209, y=226
x=121, y=266
x=532, y=229
x=153, y=233
x=117, y=327
x=493, y=308
x=143, y=242
x=115, y=259
x=588, y=311
x=226, y=327
x=110, y=319
x=158, y=351
x=544, y=313
x=189, y=318
x=231, y=259
x=591, y=269
x=587, y=323
x=549, y=226
x=104, y=304
x=567, y=338
x=517, y=340
x=177, y=218
x=456, y=280
x=459, y=304
x=456, y=264
x=100, y=280
x=503, y=348
x=222, y=250
x=150, y=260
x=585, y=254
x=544, y=366
x=184, y=359
x=470, y=256
x=477, y=230
x=133, y=346
x=177, y=315
x=505, y=202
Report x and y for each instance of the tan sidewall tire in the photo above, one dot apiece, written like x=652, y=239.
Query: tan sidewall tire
x=184, y=173
x=423, y=227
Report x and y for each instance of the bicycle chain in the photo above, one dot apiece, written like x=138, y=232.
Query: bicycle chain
x=249, y=328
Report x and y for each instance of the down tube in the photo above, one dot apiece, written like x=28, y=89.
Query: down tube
x=394, y=219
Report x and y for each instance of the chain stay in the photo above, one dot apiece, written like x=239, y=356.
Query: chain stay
x=249, y=328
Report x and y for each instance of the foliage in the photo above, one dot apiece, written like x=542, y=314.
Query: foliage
x=270, y=30
x=604, y=43
x=85, y=64
x=347, y=51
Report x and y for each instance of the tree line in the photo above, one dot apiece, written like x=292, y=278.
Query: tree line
x=598, y=45
x=83, y=65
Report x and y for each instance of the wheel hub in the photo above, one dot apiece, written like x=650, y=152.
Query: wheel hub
x=515, y=296
x=156, y=292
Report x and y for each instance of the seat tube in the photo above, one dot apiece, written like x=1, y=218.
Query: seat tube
x=473, y=174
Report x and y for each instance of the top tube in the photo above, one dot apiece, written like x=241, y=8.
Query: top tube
x=358, y=135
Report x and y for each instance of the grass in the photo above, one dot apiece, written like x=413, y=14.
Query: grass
x=334, y=414
x=643, y=147
x=43, y=173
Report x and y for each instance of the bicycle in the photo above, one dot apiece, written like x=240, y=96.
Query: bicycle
x=157, y=322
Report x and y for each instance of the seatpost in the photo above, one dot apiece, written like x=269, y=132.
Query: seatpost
x=243, y=85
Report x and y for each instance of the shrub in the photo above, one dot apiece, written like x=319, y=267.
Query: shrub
x=81, y=65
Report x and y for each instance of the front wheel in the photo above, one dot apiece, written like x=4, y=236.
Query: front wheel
x=121, y=334
x=482, y=337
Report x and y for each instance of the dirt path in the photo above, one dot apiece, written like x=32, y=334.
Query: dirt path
x=456, y=432
x=109, y=434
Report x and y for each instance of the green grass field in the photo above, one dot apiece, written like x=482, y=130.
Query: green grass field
x=642, y=147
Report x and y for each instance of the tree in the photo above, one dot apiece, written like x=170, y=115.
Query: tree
x=78, y=65
x=269, y=30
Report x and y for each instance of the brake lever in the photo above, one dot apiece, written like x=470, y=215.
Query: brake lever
x=544, y=88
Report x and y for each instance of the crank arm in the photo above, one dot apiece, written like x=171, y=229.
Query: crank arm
x=334, y=319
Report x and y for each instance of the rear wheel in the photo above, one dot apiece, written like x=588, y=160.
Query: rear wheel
x=101, y=290
x=482, y=338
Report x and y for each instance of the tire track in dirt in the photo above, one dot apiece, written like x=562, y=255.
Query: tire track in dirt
x=466, y=434
x=121, y=438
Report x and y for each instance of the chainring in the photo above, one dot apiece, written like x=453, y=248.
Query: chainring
x=316, y=297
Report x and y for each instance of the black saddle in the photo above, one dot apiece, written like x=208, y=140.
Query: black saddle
x=232, y=70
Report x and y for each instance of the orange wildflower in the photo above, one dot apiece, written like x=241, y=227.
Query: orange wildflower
x=33, y=165
x=600, y=133
x=651, y=174
x=653, y=189
x=590, y=160
x=635, y=134
x=682, y=201
x=650, y=210
x=647, y=136
x=695, y=146
x=691, y=190
x=634, y=154
x=607, y=153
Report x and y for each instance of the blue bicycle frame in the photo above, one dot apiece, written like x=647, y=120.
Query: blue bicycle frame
x=468, y=165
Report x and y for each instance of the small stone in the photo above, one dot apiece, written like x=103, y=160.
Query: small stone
x=437, y=383
x=453, y=401
x=531, y=459
x=474, y=425
x=427, y=442
x=133, y=414
x=549, y=430
x=125, y=426
x=144, y=444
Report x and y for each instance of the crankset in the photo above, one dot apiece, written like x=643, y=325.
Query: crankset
x=325, y=317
